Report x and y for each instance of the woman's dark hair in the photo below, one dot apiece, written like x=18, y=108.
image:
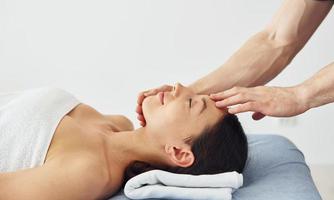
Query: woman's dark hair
x=220, y=148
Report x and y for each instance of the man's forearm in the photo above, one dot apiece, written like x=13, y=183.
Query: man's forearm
x=257, y=62
x=267, y=53
x=319, y=89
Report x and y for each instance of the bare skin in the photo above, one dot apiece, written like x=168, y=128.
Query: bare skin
x=90, y=151
x=75, y=153
x=238, y=82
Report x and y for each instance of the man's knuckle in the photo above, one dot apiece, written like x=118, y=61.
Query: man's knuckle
x=266, y=104
x=244, y=106
x=235, y=88
x=252, y=104
x=224, y=102
x=242, y=95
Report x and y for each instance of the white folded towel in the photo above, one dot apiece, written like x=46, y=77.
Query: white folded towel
x=162, y=184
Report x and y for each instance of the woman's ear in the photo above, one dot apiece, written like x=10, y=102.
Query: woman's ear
x=180, y=156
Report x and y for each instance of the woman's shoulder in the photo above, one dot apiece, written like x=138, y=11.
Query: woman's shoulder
x=121, y=122
x=95, y=175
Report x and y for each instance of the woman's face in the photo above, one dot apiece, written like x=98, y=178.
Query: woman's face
x=180, y=114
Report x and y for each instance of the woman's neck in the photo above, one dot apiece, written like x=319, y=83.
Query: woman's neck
x=123, y=148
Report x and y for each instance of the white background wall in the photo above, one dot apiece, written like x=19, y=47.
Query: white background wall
x=107, y=51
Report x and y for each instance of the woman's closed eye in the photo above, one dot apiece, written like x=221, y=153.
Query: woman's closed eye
x=190, y=100
x=204, y=106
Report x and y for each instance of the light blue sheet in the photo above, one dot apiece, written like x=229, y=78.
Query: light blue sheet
x=275, y=170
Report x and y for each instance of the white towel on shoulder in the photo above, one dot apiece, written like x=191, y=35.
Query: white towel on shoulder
x=28, y=120
x=162, y=184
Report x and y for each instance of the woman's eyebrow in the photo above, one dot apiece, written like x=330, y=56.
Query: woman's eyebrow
x=204, y=105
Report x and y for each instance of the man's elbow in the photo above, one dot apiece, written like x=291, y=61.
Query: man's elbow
x=288, y=46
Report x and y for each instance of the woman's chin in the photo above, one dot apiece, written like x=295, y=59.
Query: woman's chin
x=150, y=103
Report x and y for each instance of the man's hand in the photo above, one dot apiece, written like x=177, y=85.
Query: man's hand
x=262, y=100
x=143, y=95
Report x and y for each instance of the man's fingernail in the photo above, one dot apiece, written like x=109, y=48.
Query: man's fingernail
x=219, y=104
x=231, y=111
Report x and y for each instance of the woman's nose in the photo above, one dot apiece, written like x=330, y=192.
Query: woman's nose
x=178, y=88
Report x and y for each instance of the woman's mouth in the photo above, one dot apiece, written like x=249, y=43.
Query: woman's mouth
x=161, y=96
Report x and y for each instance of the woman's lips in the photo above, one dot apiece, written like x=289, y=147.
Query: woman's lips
x=161, y=97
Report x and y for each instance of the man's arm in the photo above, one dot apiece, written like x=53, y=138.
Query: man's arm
x=319, y=89
x=268, y=52
x=265, y=54
x=280, y=101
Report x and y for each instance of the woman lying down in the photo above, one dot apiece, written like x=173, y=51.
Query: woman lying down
x=54, y=147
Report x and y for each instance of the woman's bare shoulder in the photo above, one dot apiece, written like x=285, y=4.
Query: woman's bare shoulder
x=121, y=122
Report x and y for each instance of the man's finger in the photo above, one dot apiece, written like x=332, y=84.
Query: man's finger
x=141, y=118
x=145, y=94
x=258, y=116
x=139, y=109
x=140, y=98
x=151, y=92
x=249, y=106
x=233, y=100
x=166, y=88
x=227, y=93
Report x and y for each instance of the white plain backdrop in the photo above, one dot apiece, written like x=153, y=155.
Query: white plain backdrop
x=106, y=51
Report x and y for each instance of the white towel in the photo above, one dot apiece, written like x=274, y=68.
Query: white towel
x=162, y=184
x=28, y=120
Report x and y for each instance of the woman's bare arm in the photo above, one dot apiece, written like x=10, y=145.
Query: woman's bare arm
x=52, y=183
x=268, y=52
